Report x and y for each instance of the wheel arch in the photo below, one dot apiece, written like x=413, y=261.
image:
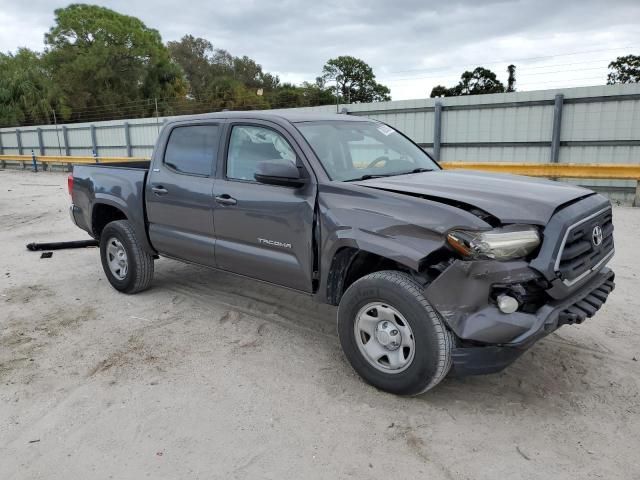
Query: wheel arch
x=107, y=208
x=350, y=264
x=102, y=214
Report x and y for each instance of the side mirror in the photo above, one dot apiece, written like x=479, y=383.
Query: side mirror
x=277, y=172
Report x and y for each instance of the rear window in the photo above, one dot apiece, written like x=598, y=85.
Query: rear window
x=192, y=149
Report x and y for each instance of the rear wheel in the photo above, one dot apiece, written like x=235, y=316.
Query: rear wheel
x=128, y=267
x=392, y=336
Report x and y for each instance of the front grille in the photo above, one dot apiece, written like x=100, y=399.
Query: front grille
x=580, y=254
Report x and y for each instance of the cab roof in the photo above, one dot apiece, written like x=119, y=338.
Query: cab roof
x=287, y=115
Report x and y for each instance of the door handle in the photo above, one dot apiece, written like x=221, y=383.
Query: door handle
x=159, y=190
x=226, y=199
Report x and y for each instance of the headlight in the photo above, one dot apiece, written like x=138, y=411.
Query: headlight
x=513, y=241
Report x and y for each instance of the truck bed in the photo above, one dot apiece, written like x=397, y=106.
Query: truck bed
x=99, y=187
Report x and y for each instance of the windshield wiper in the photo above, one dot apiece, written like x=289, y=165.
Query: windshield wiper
x=370, y=176
x=417, y=170
x=381, y=175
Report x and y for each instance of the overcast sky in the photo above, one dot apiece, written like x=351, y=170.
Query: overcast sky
x=411, y=45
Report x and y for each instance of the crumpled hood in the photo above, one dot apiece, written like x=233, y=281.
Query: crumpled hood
x=510, y=198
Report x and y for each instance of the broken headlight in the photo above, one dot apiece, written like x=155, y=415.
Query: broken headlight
x=512, y=241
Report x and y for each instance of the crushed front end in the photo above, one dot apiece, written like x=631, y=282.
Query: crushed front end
x=498, y=309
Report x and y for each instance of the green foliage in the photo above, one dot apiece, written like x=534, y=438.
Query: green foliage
x=99, y=64
x=193, y=55
x=478, y=82
x=99, y=58
x=27, y=94
x=626, y=69
x=205, y=67
x=511, y=81
x=440, y=91
x=219, y=80
x=355, y=79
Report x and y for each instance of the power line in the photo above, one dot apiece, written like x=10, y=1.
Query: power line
x=520, y=72
x=526, y=85
x=514, y=60
x=178, y=106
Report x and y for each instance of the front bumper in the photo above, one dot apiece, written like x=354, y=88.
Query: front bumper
x=491, y=339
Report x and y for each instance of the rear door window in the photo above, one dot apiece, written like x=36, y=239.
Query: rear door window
x=192, y=149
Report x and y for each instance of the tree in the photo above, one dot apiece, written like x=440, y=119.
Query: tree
x=511, y=81
x=99, y=64
x=27, y=93
x=355, y=79
x=194, y=56
x=440, y=91
x=218, y=80
x=626, y=69
x=214, y=75
x=101, y=59
x=480, y=81
x=318, y=93
x=250, y=74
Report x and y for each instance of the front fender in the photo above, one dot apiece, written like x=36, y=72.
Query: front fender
x=400, y=228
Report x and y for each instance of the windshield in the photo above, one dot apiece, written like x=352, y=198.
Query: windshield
x=357, y=150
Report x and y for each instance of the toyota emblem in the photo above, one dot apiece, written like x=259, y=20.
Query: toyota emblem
x=596, y=235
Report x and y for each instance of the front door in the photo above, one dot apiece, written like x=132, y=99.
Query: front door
x=263, y=231
x=179, y=193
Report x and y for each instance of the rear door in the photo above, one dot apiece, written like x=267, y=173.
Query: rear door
x=263, y=231
x=179, y=193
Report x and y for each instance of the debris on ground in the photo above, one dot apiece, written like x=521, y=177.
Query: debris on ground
x=61, y=245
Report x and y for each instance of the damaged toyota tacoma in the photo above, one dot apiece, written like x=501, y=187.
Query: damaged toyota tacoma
x=433, y=271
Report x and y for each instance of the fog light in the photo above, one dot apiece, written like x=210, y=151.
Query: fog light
x=507, y=304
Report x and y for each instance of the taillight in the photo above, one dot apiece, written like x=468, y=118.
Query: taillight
x=70, y=184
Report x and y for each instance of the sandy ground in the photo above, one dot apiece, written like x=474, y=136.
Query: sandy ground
x=210, y=376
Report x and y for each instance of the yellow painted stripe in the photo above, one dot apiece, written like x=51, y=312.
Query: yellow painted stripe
x=616, y=171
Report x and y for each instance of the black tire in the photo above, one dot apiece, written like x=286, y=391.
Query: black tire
x=139, y=272
x=433, y=342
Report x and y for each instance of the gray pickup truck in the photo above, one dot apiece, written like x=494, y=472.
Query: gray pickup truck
x=432, y=271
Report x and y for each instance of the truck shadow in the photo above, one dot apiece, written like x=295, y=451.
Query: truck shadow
x=556, y=371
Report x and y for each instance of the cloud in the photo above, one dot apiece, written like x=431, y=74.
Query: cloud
x=412, y=45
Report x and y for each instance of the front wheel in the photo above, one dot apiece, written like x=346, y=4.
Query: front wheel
x=392, y=336
x=128, y=267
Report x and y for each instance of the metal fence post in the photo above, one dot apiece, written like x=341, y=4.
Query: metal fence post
x=33, y=159
x=127, y=138
x=19, y=141
x=3, y=164
x=65, y=137
x=40, y=142
x=41, y=146
x=437, y=130
x=636, y=199
x=557, y=125
x=94, y=142
x=95, y=155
